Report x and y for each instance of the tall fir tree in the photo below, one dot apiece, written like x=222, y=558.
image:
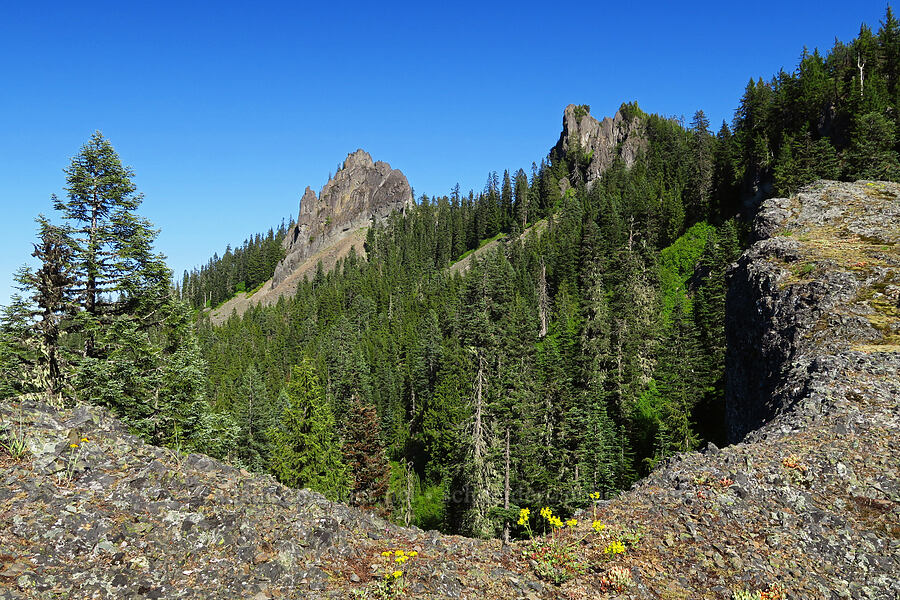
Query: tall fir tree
x=306, y=449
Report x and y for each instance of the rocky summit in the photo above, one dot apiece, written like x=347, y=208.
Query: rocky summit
x=604, y=141
x=805, y=505
x=361, y=192
x=329, y=226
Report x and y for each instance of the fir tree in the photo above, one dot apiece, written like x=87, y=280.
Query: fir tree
x=306, y=450
x=112, y=247
x=51, y=287
x=254, y=416
x=364, y=455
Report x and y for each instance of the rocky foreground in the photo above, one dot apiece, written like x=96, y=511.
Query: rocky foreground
x=806, y=506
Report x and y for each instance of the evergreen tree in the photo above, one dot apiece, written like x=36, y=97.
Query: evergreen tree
x=700, y=196
x=677, y=379
x=364, y=455
x=254, y=416
x=51, y=286
x=19, y=347
x=112, y=252
x=872, y=154
x=306, y=450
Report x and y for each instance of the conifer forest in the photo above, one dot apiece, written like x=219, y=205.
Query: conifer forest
x=583, y=345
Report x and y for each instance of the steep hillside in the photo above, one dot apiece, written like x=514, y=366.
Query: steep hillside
x=807, y=506
x=362, y=192
x=463, y=264
x=269, y=293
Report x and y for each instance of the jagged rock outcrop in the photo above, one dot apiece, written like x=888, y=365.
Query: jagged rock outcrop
x=807, y=506
x=820, y=280
x=360, y=193
x=605, y=140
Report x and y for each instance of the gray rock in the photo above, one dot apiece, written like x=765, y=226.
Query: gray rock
x=360, y=193
x=606, y=140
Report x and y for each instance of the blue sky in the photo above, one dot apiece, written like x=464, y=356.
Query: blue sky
x=227, y=111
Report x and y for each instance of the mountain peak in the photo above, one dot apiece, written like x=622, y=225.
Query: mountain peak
x=361, y=192
x=621, y=136
x=360, y=158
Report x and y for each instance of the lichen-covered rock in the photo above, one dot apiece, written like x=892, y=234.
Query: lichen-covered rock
x=93, y=512
x=820, y=279
x=360, y=193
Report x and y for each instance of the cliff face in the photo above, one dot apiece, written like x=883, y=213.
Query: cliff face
x=807, y=506
x=820, y=283
x=605, y=140
x=360, y=193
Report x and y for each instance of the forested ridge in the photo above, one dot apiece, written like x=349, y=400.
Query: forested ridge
x=242, y=269
x=561, y=363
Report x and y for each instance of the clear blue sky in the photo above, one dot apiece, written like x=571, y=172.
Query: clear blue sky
x=227, y=111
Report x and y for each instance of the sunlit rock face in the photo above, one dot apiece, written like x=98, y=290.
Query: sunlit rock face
x=362, y=191
x=619, y=136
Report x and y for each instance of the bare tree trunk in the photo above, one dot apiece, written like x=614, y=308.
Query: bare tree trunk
x=409, y=492
x=250, y=410
x=506, y=489
x=543, y=299
x=861, y=63
x=631, y=234
x=477, y=434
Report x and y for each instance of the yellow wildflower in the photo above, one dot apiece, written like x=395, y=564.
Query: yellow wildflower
x=397, y=574
x=546, y=512
x=598, y=526
x=84, y=439
x=595, y=496
x=572, y=522
x=400, y=559
x=615, y=548
x=413, y=553
x=524, y=515
x=386, y=553
x=73, y=445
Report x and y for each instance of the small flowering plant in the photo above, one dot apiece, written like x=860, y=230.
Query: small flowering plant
x=617, y=579
x=557, y=557
x=392, y=583
x=595, y=498
x=554, y=557
x=614, y=548
x=793, y=462
x=74, y=454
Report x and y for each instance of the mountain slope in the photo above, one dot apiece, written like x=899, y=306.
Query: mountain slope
x=808, y=506
x=362, y=192
x=269, y=293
